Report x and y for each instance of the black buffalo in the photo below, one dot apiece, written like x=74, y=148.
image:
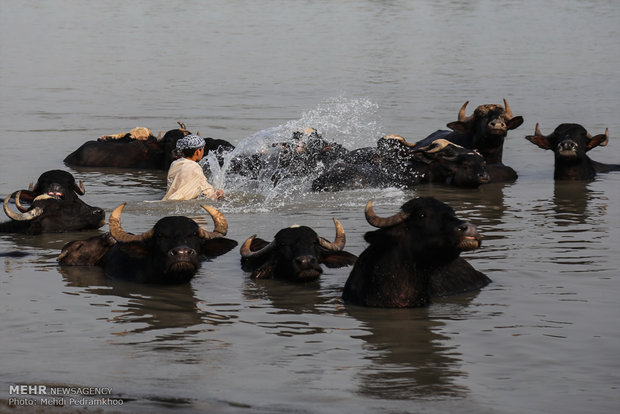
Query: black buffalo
x=569, y=143
x=169, y=253
x=484, y=131
x=305, y=153
x=53, y=206
x=397, y=163
x=136, y=150
x=296, y=254
x=414, y=256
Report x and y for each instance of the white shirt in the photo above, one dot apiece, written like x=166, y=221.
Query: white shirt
x=186, y=181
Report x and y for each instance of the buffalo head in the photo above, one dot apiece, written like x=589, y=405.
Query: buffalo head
x=569, y=143
x=453, y=164
x=296, y=253
x=57, y=184
x=439, y=161
x=487, y=126
x=427, y=228
x=87, y=252
x=169, y=253
x=54, y=207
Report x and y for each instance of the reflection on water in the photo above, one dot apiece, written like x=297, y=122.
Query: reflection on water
x=571, y=201
x=144, y=308
x=408, y=356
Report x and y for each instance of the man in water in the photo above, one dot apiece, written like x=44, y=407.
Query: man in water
x=186, y=180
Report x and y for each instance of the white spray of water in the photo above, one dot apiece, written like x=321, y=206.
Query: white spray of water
x=352, y=123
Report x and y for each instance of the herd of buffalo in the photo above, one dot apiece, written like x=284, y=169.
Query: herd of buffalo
x=411, y=257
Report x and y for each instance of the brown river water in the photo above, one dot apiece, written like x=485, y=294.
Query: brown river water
x=542, y=338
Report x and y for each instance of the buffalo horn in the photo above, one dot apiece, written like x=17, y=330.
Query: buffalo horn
x=435, y=146
x=79, y=188
x=382, y=222
x=399, y=138
x=339, y=241
x=462, y=116
x=116, y=230
x=247, y=252
x=182, y=128
x=537, y=131
x=221, y=225
x=18, y=204
x=508, y=110
x=29, y=215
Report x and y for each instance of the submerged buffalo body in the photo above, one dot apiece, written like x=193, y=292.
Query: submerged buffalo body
x=54, y=206
x=485, y=131
x=413, y=256
x=570, y=143
x=137, y=149
x=169, y=253
x=296, y=254
x=304, y=154
x=397, y=163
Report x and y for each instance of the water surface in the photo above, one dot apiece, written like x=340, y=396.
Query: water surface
x=543, y=337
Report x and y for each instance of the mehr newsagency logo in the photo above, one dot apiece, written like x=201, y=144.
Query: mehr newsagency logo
x=45, y=395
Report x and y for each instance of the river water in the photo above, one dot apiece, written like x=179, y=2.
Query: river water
x=543, y=337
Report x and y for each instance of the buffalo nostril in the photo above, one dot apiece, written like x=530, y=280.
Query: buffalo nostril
x=182, y=251
x=468, y=228
x=305, y=261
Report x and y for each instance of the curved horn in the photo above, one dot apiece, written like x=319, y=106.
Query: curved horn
x=246, y=252
x=182, y=128
x=221, y=225
x=462, y=116
x=508, y=110
x=537, y=131
x=435, y=146
x=381, y=222
x=116, y=230
x=18, y=204
x=29, y=215
x=340, y=240
x=79, y=189
x=399, y=138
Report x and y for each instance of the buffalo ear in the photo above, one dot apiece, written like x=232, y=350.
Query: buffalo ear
x=458, y=126
x=595, y=141
x=338, y=259
x=514, y=122
x=218, y=246
x=542, y=142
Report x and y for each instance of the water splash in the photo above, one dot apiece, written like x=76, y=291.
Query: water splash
x=352, y=123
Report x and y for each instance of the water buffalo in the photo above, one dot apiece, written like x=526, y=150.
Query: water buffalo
x=54, y=206
x=484, y=131
x=169, y=253
x=295, y=254
x=397, y=163
x=413, y=256
x=137, y=149
x=302, y=155
x=569, y=143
